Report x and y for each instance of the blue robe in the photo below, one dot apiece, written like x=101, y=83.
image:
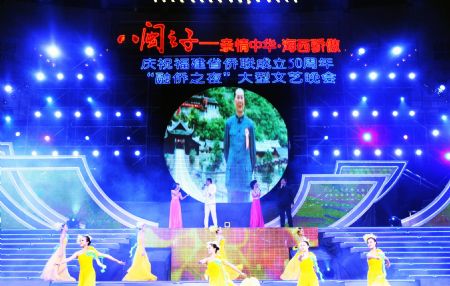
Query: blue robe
x=240, y=160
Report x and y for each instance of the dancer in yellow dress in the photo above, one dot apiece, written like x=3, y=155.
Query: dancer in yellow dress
x=377, y=263
x=292, y=269
x=85, y=257
x=141, y=269
x=217, y=276
x=222, y=253
x=308, y=266
x=51, y=271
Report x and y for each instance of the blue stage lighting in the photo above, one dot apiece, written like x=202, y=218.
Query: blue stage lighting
x=444, y=118
x=118, y=114
x=47, y=138
x=402, y=99
x=405, y=137
x=49, y=99
x=8, y=88
x=367, y=137
x=137, y=153
x=377, y=152
x=138, y=114
x=325, y=137
x=375, y=113
x=395, y=113
x=447, y=156
x=116, y=153
x=128, y=138
x=80, y=76
x=95, y=153
x=316, y=153
x=89, y=51
x=357, y=152
x=37, y=114
x=441, y=89
x=419, y=152
x=412, y=113
x=392, y=75
x=87, y=138
x=397, y=50
x=355, y=113
x=335, y=114
x=75, y=153
x=8, y=119
x=336, y=152
x=58, y=114
x=60, y=76
x=373, y=75
x=352, y=75
x=361, y=51
x=315, y=114
x=33, y=153
x=364, y=99
x=77, y=114
x=40, y=76
x=100, y=76
x=55, y=153
x=18, y=133
x=412, y=75
x=98, y=114
x=398, y=152
x=89, y=99
x=53, y=51
x=435, y=132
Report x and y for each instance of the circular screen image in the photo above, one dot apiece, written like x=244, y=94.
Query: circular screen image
x=231, y=136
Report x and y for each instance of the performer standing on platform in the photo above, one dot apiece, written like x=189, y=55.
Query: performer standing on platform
x=215, y=272
x=377, y=263
x=256, y=217
x=285, y=202
x=222, y=254
x=210, y=190
x=175, y=218
x=53, y=272
x=140, y=269
x=85, y=257
x=308, y=266
x=292, y=269
x=239, y=150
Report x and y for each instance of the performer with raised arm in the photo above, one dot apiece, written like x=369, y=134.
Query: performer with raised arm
x=292, y=269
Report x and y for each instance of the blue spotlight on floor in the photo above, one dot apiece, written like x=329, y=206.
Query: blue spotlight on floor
x=335, y=114
x=37, y=114
x=361, y=51
x=412, y=75
x=316, y=153
x=398, y=152
x=352, y=75
x=89, y=51
x=315, y=114
x=77, y=114
x=58, y=114
x=377, y=152
x=137, y=153
x=435, y=132
x=395, y=113
x=336, y=152
x=357, y=152
x=55, y=153
x=8, y=119
x=392, y=75
x=87, y=138
x=40, y=76
x=89, y=99
x=375, y=113
x=373, y=75
x=60, y=76
x=95, y=153
x=412, y=113
x=419, y=152
x=98, y=114
x=100, y=76
x=397, y=50
x=116, y=153
x=355, y=113
x=8, y=88
x=444, y=118
x=53, y=51
x=80, y=76
x=118, y=114
x=76, y=153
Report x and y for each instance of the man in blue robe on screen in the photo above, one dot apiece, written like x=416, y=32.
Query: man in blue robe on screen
x=239, y=151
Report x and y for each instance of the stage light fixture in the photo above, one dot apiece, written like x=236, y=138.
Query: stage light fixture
x=58, y=114
x=75, y=153
x=37, y=114
x=364, y=99
x=100, y=76
x=357, y=152
x=367, y=137
x=444, y=118
x=55, y=153
x=447, y=156
x=392, y=75
x=8, y=119
x=89, y=99
x=77, y=114
x=398, y=152
x=33, y=153
x=405, y=137
x=138, y=114
x=396, y=51
x=377, y=152
x=325, y=137
x=95, y=153
x=89, y=51
x=361, y=51
x=137, y=153
x=49, y=99
x=128, y=138
x=18, y=133
x=87, y=138
x=435, y=132
x=395, y=113
x=412, y=75
x=60, y=76
x=412, y=113
x=373, y=75
x=116, y=153
x=375, y=113
x=98, y=114
x=40, y=76
x=336, y=153
x=440, y=89
x=352, y=75
x=118, y=114
x=419, y=152
x=316, y=153
x=355, y=113
x=335, y=114
x=402, y=99
x=53, y=51
x=47, y=138
x=80, y=76
x=315, y=114
x=8, y=88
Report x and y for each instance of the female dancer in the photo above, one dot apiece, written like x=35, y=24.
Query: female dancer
x=377, y=263
x=222, y=254
x=140, y=269
x=308, y=266
x=292, y=270
x=217, y=276
x=175, y=220
x=256, y=217
x=85, y=257
x=51, y=271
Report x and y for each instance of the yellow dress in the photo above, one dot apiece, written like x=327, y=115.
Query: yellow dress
x=217, y=276
x=140, y=269
x=87, y=273
x=54, y=270
x=222, y=254
x=376, y=276
x=292, y=269
x=308, y=275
